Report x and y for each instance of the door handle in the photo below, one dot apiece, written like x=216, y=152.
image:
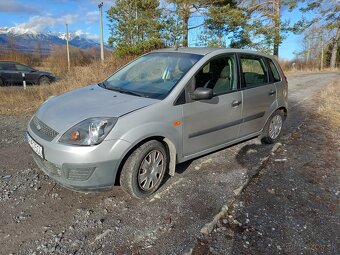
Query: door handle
x=272, y=92
x=236, y=103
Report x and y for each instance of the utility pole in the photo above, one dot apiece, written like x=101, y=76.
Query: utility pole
x=321, y=64
x=68, y=50
x=100, y=6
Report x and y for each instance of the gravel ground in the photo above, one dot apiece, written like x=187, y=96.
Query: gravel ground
x=292, y=204
x=37, y=216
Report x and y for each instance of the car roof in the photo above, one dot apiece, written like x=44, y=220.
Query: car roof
x=205, y=51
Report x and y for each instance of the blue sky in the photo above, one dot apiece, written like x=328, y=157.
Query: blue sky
x=83, y=15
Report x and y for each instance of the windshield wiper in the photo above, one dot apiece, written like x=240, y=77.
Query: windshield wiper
x=102, y=84
x=127, y=92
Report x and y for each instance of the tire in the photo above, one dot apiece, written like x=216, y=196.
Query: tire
x=2, y=82
x=272, y=130
x=138, y=176
x=44, y=80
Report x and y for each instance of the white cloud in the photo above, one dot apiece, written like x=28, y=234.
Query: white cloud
x=15, y=7
x=86, y=35
x=38, y=24
x=92, y=17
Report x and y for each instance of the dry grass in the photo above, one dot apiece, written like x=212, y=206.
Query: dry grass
x=330, y=105
x=14, y=100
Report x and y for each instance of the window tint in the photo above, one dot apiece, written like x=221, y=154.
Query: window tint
x=254, y=71
x=276, y=75
x=219, y=75
x=22, y=68
x=8, y=66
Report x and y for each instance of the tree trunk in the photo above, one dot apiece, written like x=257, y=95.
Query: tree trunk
x=277, y=28
x=335, y=49
x=185, y=19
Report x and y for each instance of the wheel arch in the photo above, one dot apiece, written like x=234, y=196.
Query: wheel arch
x=169, y=147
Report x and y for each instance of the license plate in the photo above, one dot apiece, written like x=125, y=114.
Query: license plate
x=36, y=147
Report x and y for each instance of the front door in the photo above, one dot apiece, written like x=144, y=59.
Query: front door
x=209, y=123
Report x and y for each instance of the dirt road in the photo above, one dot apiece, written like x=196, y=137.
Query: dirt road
x=38, y=216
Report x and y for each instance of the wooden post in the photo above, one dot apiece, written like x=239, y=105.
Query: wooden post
x=68, y=50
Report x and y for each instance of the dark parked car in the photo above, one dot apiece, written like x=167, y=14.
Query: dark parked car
x=11, y=73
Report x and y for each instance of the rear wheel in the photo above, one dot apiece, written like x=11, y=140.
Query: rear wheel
x=44, y=80
x=273, y=128
x=143, y=171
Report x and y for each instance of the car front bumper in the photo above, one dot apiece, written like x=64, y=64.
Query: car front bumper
x=81, y=168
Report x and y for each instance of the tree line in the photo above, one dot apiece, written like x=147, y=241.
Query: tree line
x=138, y=26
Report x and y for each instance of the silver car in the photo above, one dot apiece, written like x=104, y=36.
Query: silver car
x=164, y=108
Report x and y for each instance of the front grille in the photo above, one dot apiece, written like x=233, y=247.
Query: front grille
x=69, y=172
x=42, y=130
x=48, y=167
x=78, y=174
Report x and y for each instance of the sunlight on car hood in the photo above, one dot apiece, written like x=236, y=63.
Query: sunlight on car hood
x=64, y=111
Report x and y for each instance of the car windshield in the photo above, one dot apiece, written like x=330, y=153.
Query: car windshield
x=153, y=75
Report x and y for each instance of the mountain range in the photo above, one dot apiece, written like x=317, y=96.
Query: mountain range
x=28, y=41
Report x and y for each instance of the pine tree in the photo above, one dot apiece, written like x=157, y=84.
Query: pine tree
x=251, y=23
x=135, y=26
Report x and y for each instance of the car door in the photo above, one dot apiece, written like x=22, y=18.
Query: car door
x=210, y=123
x=258, y=93
x=30, y=75
x=8, y=73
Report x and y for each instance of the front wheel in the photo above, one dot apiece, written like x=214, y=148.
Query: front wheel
x=44, y=80
x=144, y=169
x=272, y=130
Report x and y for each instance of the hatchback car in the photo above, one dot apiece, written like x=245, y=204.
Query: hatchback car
x=12, y=73
x=164, y=108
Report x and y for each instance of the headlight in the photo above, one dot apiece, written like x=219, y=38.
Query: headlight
x=88, y=132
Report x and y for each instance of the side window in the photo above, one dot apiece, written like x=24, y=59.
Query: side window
x=9, y=67
x=22, y=68
x=219, y=74
x=254, y=71
x=275, y=73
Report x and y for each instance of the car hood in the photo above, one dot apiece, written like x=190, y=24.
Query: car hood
x=64, y=111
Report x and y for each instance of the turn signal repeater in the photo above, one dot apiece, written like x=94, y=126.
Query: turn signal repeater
x=75, y=136
x=176, y=123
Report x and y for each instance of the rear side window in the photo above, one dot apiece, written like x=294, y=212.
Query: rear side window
x=254, y=71
x=8, y=67
x=275, y=73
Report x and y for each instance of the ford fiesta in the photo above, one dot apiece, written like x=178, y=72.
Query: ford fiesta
x=164, y=108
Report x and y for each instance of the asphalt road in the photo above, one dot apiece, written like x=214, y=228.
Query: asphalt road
x=38, y=216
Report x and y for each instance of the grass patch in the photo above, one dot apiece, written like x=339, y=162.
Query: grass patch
x=14, y=100
x=329, y=107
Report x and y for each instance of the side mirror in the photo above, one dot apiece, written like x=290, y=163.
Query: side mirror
x=202, y=94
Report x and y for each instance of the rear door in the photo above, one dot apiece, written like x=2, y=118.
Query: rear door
x=209, y=123
x=259, y=93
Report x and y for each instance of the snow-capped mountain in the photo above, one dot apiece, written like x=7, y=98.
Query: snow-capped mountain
x=28, y=40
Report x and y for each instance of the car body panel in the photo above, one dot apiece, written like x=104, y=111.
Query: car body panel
x=209, y=123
